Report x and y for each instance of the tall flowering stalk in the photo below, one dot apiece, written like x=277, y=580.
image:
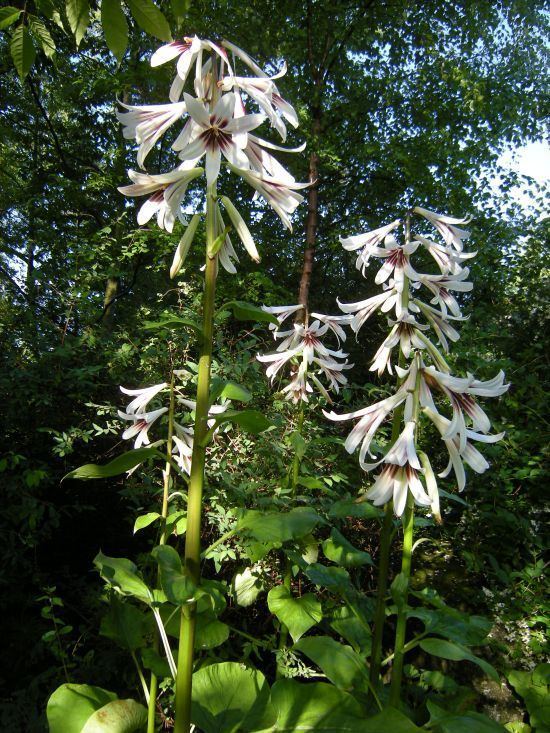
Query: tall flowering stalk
x=217, y=127
x=425, y=391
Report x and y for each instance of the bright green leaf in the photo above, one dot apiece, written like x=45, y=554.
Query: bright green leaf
x=280, y=526
x=42, y=35
x=228, y=389
x=123, y=575
x=70, y=706
x=118, y=465
x=115, y=27
x=343, y=667
x=230, y=698
x=78, y=15
x=118, y=716
x=245, y=587
x=339, y=550
x=145, y=520
x=8, y=15
x=209, y=631
x=298, y=614
x=533, y=688
x=150, y=19
x=350, y=508
x=247, y=312
x=22, y=51
x=251, y=421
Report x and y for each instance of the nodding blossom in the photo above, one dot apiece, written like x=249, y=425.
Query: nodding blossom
x=426, y=387
x=309, y=359
x=213, y=122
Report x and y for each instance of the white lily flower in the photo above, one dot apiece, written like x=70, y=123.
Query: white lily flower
x=368, y=243
x=447, y=259
x=266, y=164
x=281, y=312
x=393, y=483
x=218, y=132
x=168, y=190
x=446, y=226
x=405, y=332
x=142, y=421
x=148, y=123
x=469, y=454
x=280, y=194
x=183, y=447
x=439, y=321
x=142, y=397
x=440, y=285
x=303, y=349
x=364, y=309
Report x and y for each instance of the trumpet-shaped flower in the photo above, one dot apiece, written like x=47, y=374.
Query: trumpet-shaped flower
x=393, y=483
x=148, y=123
x=141, y=422
x=280, y=194
x=446, y=226
x=167, y=189
x=218, y=132
x=142, y=397
x=367, y=244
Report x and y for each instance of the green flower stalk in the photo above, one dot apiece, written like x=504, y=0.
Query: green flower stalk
x=405, y=476
x=217, y=128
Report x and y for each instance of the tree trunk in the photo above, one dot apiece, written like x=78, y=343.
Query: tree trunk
x=312, y=216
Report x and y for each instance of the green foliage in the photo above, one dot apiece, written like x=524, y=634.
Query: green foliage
x=533, y=687
x=70, y=706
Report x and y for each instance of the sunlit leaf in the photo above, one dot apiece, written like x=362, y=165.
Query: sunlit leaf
x=118, y=716
x=78, y=15
x=456, y=653
x=149, y=17
x=115, y=27
x=70, y=706
x=22, y=50
x=118, y=465
x=297, y=613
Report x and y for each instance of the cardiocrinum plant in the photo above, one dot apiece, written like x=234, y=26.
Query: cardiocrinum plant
x=405, y=475
x=210, y=98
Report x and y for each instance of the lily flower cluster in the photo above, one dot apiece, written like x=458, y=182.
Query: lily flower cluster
x=302, y=348
x=142, y=419
x=423, y=373
x=217, y=126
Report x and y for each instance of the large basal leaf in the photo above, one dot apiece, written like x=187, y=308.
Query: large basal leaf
x=148, y=16
x=247, y=312
x=125, y=624
x=123, y=575
x=390, y=720
x=534, y=689
x=453, y=624
x=351, y=508
x=118, y=716
x=339, y=550
x=442, y=721
x=343, y=667
x=209, y=631
x=70, y=706
x=179, y=588
x=336, y=580
x=230, y=697
x=118, y=465
x=228, y=389
x=280, y=526
x=457, y=653
x=354, y=630
x=22, y=50
x=78, y=15
x=298, y=614
x=316, y=707
x=115, y=27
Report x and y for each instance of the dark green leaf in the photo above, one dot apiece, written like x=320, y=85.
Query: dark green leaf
x=180, y=8
x=316, y=707
x=350, y=508
x=335, y=579
x=469, y=722
x=298, y=614
x=150, y=19
x=125, y=624
x=456, y=653
x=172, y=321
x=230, y=697
x=354, y=630
x=228, y=389
x=250, y=420
x=343, y=667
x=118, y=465
x=179, y=588
x=78, y=15
x=115, y=27
x=22, y=51
x=339, y=550
x=454, y=625
x=280, y=526
x=210, y=632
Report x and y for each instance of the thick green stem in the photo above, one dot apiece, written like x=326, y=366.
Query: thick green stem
x=153, y=685
x=287, y=578
x=399, y=651
x=196, y=480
